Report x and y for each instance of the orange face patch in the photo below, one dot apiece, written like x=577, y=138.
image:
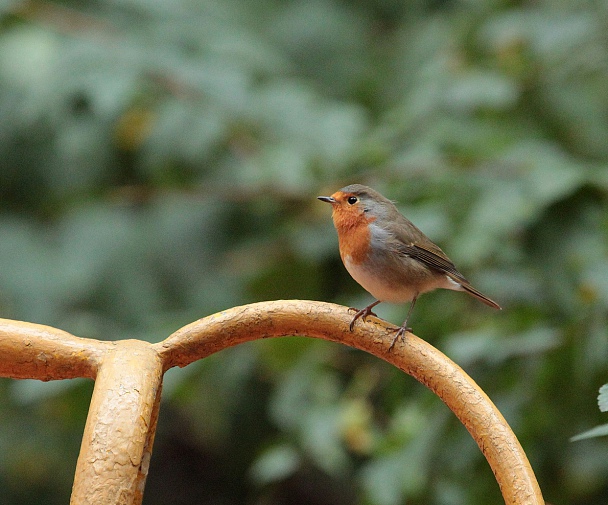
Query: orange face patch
x=346, y=215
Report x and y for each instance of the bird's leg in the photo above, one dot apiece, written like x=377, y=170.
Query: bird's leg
x=367, y=311
x=401, y=331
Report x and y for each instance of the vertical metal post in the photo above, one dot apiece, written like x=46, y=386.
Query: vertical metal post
x=119, y=432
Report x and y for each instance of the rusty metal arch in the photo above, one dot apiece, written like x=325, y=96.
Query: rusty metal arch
x=119, y=432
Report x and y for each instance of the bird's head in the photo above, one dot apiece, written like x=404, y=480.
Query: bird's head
x=357, y=204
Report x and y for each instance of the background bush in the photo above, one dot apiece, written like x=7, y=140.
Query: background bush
x=159, y=161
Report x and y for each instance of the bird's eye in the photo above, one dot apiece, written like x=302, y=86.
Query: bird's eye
x=352, y=200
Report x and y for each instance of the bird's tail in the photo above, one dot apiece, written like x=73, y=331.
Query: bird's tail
x=479, y=295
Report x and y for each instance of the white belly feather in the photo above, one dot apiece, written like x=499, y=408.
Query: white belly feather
x=387, y=292
x=379, y=290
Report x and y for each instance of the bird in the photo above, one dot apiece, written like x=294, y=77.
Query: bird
x=388, y=255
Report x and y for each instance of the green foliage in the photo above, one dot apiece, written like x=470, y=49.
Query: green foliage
x=598, y=431
x=159, y=162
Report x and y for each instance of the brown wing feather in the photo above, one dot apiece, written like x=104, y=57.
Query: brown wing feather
x=434, y=258
x=412, y=242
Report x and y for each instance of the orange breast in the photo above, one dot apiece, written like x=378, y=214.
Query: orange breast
x=353, y=236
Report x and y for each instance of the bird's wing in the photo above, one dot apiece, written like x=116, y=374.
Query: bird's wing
x=411, y=241
x=422, y=249
x=432, y=256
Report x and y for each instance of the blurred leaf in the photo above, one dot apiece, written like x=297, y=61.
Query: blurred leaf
x=484, y=345
x=275, y=464
x=27, y=58
x=27, y=392
x=598, y=431
x=321, y=438
x=477, y=90
x=602, y=399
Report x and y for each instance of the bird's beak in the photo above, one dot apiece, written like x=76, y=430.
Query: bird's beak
x=328, y=199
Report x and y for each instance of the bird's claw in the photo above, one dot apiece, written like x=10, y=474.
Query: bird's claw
x=361, y=313
x=400, y=333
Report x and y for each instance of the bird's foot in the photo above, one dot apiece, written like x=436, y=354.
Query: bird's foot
x=400, y=333
x=367, y=311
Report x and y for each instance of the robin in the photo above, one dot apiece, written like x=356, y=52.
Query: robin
x=387, y=255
